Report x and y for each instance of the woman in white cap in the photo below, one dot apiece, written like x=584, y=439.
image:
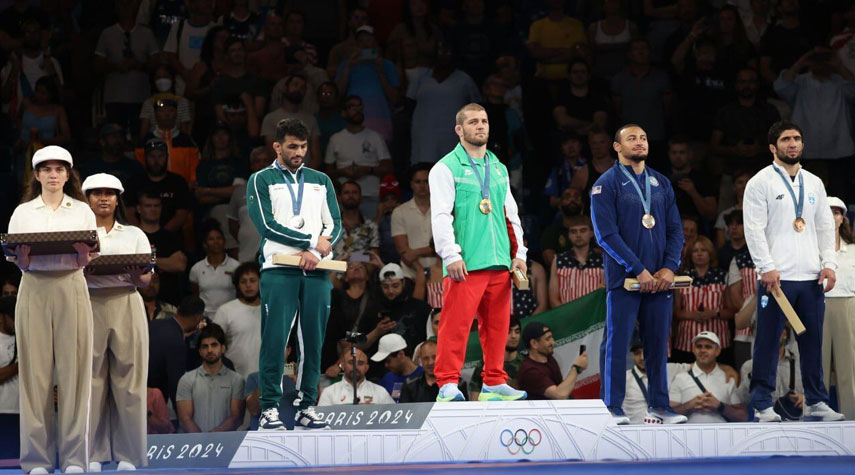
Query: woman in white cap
x=838, y=329
x=54, y=321
x=120, y=351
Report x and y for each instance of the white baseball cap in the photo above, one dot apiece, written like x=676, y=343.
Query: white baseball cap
x=389, y=344
x=52, y=152
x=392, y=268
x=707, y=335
x=102, y=180
x=836, y=202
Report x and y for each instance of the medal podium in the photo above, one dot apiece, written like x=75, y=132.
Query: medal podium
x=575, y=430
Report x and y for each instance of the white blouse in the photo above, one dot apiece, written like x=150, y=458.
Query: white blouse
x=36, y=217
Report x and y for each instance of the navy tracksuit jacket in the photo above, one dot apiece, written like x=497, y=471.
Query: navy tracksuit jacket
x=616, y=211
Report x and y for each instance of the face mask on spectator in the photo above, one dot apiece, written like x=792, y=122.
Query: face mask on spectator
x=163, y=84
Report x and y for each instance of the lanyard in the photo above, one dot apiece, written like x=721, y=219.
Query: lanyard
x=799, y=205
x=644, y=201
x=484, y=184
x=296, y=201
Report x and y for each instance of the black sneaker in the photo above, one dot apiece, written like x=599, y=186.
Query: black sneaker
x=309, y=419
x=269, y=420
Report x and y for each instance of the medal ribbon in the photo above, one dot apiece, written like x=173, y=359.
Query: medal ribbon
x=296, y=201
x=645, y=202
x=799, y=205
x=484, y=184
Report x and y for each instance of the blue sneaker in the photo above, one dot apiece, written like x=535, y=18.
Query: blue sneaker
x=500, y=392
x=449, y=392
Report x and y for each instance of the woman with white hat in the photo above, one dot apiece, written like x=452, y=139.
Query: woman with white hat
x=54, y=320
x=838, y=330
x=120, y=350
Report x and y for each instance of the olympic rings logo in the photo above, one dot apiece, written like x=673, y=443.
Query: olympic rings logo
x=520, y=441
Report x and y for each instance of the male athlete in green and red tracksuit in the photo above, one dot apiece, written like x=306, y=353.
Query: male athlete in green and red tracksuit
x=477, y=233
x=295, y=211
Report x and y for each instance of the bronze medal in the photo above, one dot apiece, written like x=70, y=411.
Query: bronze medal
x=648, y=221
x=485, y=206
x=799, y=225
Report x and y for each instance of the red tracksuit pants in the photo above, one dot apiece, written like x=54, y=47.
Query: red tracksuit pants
x=486, y=293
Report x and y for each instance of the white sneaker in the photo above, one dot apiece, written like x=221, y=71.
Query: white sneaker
x=94, y=467
x=449, y=392
x=767, y=415
x=500, y=392
x=619, y=417
x=74, y=469
x=663, y=415
x=821, y=412
x=126, y=467
x=269, y=420
x=309, y=419
x=39, y=471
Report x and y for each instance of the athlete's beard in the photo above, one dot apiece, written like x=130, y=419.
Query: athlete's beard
x=474, y=140
x=510, y=349
x=637, y=158
x=782, y=156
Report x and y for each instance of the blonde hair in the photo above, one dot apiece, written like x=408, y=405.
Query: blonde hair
x=461, y=114
x=708, y=246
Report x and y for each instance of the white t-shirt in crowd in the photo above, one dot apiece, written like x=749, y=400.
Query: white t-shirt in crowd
x=248, y=238
x=365, y=148
x=9, y=399
x=242, y=325
x=215, y=285
x=684, y=389
x=188, y=47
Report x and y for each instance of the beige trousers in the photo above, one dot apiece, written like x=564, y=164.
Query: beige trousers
x=54, y=330
x=119, y=374
x=838, y=343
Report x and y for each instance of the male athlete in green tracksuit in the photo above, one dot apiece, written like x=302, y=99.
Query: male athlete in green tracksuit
x=295, y=211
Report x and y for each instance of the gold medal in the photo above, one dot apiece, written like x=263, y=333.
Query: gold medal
x=485, y=206
x=799, y=225
x=648, y=221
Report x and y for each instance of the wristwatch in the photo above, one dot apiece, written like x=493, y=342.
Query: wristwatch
x=578, y=369
x=721, y=407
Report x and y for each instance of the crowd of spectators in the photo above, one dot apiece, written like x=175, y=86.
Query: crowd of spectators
x=179, y=99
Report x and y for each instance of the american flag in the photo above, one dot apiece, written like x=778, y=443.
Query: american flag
x=434, y=294
x=749, y=281
x=709, y=291
x=575, y=279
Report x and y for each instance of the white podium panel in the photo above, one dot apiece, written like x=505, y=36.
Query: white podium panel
x=498, y=431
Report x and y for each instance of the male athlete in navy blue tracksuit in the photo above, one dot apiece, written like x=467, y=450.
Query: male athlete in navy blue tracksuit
x=636, y=222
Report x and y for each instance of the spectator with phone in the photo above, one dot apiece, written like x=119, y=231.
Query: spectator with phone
x=401, y=311
x=821, y=92
x=360, y=235
x=539, y=374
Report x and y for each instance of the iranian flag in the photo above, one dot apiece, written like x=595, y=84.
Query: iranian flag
x=580, y=322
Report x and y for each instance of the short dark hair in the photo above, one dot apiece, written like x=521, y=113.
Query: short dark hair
x=419, y=167
x=350, y=97
x=294, y=11
x=638, y=39
x=576, y=61
x=212, y=330
x=779, y=127
x=210, y=225
x=734, y=217
x=150, y=193
x=324, y=84
x=292, y=77
x=742, y=172
x=293, y=127
x=354, y=183
x=245, y=268
x=513, y=322
x=191, y=305
x=624, y=127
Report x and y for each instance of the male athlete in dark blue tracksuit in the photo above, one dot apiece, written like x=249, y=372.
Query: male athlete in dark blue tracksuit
x=633, y=250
